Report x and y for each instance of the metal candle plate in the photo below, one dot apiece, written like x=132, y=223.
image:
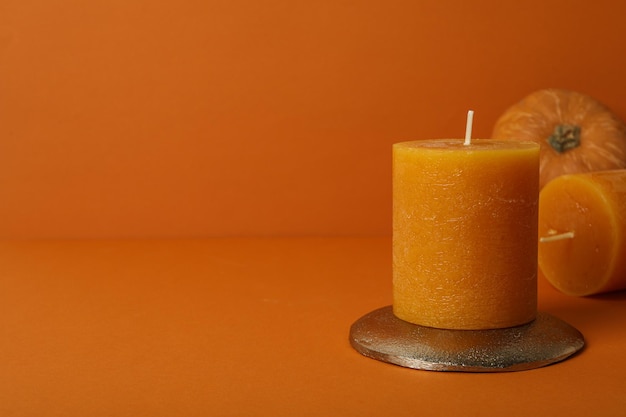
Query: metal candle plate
x=381, y=335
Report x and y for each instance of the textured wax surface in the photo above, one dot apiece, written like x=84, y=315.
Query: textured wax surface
x=465, y=233
x=593, y=207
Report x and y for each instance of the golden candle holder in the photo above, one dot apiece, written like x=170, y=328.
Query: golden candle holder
x=546, y=340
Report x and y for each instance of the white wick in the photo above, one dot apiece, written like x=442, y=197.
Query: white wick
x=468, y=127
x=560, y=236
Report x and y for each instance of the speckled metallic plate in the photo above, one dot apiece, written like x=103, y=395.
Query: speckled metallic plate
x=381, y=335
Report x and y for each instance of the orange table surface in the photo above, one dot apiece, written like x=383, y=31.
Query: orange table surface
x=254, y=327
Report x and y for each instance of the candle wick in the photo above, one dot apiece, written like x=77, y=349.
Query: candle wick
x=560, y=236
x=468, y=127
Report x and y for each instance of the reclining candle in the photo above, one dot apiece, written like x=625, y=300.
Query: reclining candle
x=582, y=227
x=465, y=233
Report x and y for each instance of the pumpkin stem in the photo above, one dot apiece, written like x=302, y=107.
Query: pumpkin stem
x=565, y=137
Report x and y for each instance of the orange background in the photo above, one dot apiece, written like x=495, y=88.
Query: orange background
x=227, y=117
x=212, y=118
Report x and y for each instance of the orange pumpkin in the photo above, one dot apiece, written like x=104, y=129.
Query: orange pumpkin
x=575, y=132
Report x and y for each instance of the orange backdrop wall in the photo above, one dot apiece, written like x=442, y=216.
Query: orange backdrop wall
x=146, y=118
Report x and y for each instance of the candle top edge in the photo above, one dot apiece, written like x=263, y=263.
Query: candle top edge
x=475, y=145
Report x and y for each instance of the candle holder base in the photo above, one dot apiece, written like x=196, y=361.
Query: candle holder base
x=381, y=335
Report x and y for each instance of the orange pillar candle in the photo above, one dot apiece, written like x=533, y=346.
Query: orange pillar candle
x=465, y=233
x=582, y=229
